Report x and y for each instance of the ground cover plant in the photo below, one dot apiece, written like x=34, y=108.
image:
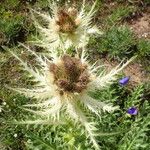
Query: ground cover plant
x=86, y=105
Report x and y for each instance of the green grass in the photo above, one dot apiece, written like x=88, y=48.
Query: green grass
x=117, y=42
x=143, y=47
x=12, y=26
x=119, y=14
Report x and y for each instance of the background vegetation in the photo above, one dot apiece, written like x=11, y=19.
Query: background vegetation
x=120, y=21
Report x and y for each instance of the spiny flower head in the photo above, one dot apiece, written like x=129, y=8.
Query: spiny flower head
x=63, y=86
x=67, y=21
x=66, y=27
x=70, y=75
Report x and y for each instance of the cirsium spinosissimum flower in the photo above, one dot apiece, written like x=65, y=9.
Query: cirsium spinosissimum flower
x=66, y=27
x=63, y=86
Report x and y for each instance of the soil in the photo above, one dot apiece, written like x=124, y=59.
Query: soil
x=141, y=26
x=134, y=70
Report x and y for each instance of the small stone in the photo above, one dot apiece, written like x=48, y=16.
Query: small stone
x=4, y=103
x=15, y=135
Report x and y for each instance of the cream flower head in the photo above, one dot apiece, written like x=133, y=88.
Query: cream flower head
x=65, y=27
x=63, y=85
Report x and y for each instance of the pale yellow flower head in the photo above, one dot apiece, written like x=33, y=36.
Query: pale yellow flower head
x=66, y=27
x=62, y=87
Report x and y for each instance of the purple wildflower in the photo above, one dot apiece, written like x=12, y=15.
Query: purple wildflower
x=124, y=81
x=132, y=111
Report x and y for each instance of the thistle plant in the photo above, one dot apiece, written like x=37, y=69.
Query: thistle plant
x=66, y=27
x=63, y=82
x=62, y=88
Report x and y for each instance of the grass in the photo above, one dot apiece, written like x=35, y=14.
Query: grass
x=119, y=131
x=143, y=47
x=119, y=14
x=12, y=26
x=117, y=42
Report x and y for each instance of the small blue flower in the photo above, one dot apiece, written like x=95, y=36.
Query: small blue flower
x=132, y=111
x=124, y=81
